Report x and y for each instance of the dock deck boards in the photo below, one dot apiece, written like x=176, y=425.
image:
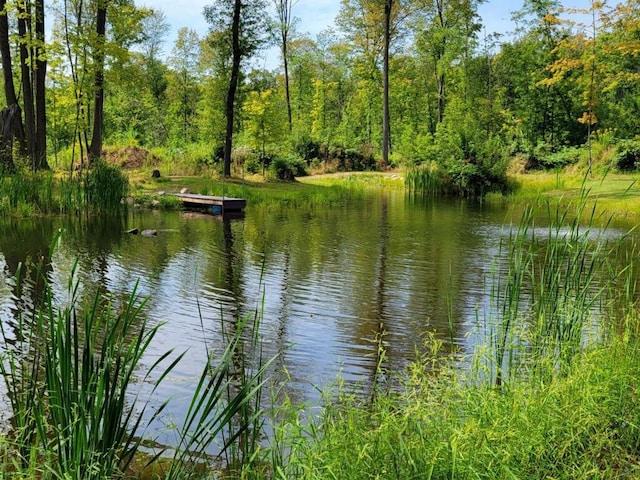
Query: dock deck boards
x=226, y=203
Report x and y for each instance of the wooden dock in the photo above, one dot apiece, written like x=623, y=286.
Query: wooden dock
x=218, y=205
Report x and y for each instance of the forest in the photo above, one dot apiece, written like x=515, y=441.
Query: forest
x=395, y=83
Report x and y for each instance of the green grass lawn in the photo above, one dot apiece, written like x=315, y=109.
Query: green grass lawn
x=616, y=194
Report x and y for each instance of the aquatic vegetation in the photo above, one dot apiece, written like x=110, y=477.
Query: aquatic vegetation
x=99, y=189
x=71, y=372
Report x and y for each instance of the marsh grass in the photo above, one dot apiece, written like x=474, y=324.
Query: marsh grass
x=100, y=189
x=425, y=180
x=68, y=377
x=554, y=284
x=71, y=369
x=104, y=187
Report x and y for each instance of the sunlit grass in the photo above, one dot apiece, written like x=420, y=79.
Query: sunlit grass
x=547, y=395
x=611, y=194
x=321, y=191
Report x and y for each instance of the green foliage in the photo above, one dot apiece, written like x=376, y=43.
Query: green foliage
x=545, y=158
x=445, y=424
x=286, y=168
x=105, y=187
x=425, y=179
x=461, y=161
x=627, y=155
x=30, y=188
x=308, y=149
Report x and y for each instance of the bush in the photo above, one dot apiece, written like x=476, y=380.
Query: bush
x=257, y=165
x=562, y=158
x=544, y=157
x=627, y=156
x=467, y=180
x=287, y=168
x=352, y=160
x=253, y=166
x=308, y=149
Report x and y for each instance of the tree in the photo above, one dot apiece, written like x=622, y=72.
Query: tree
x=156, y=28
x=33, y=68
x=262, y=118
x=361, y=20
x=363, y=23
x=386, y=127
x=444, y=30
x=285, y=23
x=95, y=148
x=242, y=27
x=11, y=119
x=184, y=63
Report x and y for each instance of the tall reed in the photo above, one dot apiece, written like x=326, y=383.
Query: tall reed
x=101, y=189
x=68, y=381
x=424, y=179
x=70, y=370
x=104, y=187
x=549, y=296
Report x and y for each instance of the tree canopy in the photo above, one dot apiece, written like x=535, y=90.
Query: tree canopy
x=404, y=82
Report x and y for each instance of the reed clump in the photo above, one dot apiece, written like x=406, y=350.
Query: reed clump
x=71, y=367
x=98, y=189
x=425, y=179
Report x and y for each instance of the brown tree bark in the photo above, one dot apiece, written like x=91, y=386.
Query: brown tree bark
x=26, y=67
x=233, y=86
x=12, y=113
x=95, y=149
x=5, y=52
x=40, y=159
x=386, y=123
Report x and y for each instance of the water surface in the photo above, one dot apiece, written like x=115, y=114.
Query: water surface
x=329, y=281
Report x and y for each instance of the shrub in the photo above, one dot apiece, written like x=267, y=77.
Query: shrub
x=308, y=149
x=627, y=156
x=562, y=158
x=287, y=168
x=257, y=165
x=544, y=157
x=353, y=160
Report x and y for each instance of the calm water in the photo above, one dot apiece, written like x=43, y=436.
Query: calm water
x=328, y=279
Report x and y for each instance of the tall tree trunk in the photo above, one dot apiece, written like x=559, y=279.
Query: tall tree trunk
x=233, y=85
x=283, y=7
x=286, y=82
x=441, y=93
x=11, y=116
x=440, y=9
x=386, y=124
x=5, y=52
x=95, y=149
x=26, y=69
x=40, y=160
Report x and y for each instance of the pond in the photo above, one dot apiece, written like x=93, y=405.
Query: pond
x=329, y=281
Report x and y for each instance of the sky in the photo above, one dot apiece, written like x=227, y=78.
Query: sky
x=317, y=15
